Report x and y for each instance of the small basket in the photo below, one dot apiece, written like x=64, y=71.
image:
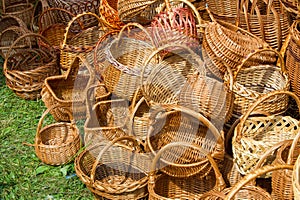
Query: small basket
x=255, y=81
x=126, y=57
x=81, y=43
x=295, y=179
x=115, y=170
x=109, y=13
x=164, y=187
x=172, y=123
x=58, y=143
x=9, y=35
x=26, y=69
x=69, y=91
x=254, y=135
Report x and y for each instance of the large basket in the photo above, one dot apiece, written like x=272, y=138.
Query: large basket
x=255, y=81
x=115, y=170
x=171, y=123
x=293, y=58
x=126, y=57
x=264, y=20
x=162, y=82
x=164, y=187
x=81, y=43
x=26, y=69
x=69, y=91
x=254, y=135
x=24, y=11
x=57, y=143
x=226, y=45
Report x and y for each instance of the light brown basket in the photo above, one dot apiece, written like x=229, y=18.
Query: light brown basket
x=21, y=10
x=162, y=81
x=126, y=57
x=69, y=90
x=164, y=187
x=295, y=179
x=26, y=69
x=172, y=123
x=254, y=135
x=282, y=186
x=225, y=10
x=250, y=83
x=115, y=170
x=57, y=143
x=81, y=43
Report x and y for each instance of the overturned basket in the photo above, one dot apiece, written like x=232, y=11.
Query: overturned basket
x=58, y=143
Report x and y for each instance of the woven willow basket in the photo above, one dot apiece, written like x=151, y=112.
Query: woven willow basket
x=295, y=179
x=164, y=187
x=254, y=135
x=57, y=143
x=172, y=123
x=115, y=170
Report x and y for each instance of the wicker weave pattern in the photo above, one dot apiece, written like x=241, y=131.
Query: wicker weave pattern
x=295, y=179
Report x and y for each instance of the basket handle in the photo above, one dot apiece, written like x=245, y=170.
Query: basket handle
x=81, y=25
x=292, y=149
x=260, y=100
x=195, y=57
x=44, y=5
x=128, y=25
x=281, y=63
x=253, y=175
x=39, y=127
x=108, y=145
x=190, y=112
x=100, y=41
x=220, y=183
x=48, y=10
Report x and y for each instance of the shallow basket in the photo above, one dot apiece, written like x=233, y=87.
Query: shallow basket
x=115, y=170
x=57, y=143
x=26, y=69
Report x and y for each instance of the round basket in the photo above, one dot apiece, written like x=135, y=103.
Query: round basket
x=9, y=35
x=81, y=43
x=254, y=135
x=172, y=123
x=24, y=11
x=164, y=187
x=57, y=143
x=225, y=10
x=126, y=57
x=26, y=69
x=69, y=90
x=252, y=82
x=8, y=21
x=115, y=170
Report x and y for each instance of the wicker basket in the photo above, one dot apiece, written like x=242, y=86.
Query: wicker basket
x=57, y=143
x=172, y=123
x=293, y=58
x=69, y=90
x=126, y=57
x=295, y=179
x=21, y=10
x=9, y=35
x=255, y=81
x=164, y=187
x=109, y=13
x=26, y=69
x=287, y=154
x=225, y=10
x=115, y=170
x=9, y=21
x=254, y=135
x=81, y=43
x=161, y=82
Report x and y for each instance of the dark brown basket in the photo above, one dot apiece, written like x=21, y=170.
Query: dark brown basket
x=69, y=90
x=57, y=143
x=26, y=69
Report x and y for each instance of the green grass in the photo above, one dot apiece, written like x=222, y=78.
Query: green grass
x=22, y=174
